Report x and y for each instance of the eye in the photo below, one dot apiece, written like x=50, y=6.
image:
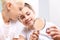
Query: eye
x=28, y=13
x=22, y=17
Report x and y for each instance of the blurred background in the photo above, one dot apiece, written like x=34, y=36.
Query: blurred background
x=48, y=9
x=0, y=6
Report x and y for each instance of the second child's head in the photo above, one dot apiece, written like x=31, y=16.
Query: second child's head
x=27, y=17
x=12, y=8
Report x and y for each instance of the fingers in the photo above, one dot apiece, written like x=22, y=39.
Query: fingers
x=34, y=35
x=51, y=29
x=53, y=32
x=56, y=36
x=21, y=37
x=36, y=32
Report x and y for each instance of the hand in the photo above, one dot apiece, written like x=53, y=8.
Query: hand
x=54, y=33
x=21, y=37
x=34, y=35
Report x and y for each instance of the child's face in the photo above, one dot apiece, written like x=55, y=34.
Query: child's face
x=27, y=16
x=15, y=11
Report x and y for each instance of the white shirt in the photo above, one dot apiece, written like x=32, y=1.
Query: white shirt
x=43, y=35
x=8, y=32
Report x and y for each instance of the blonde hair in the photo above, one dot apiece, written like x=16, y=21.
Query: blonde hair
x=5, y=1
x=10, y=1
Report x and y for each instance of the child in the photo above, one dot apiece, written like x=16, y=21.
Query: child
x=35, y=28
x=9, y=24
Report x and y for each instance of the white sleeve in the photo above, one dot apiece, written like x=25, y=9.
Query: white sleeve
x=19, y=29
x=16, y=34
x=19, y=32
x=24, y=33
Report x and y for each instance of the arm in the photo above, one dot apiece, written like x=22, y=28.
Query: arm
x=21, y=37
x=34, y=35
x=15, y=38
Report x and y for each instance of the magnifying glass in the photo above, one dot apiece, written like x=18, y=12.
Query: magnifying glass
x=39, y=24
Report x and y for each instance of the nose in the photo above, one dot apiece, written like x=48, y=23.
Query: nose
x=26, y=17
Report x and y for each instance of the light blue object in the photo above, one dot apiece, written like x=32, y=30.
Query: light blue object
x=0, y=6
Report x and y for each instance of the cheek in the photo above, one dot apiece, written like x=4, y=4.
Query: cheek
x=15, y=11
x=22, y=21
x=32, y=16
x=14, y=15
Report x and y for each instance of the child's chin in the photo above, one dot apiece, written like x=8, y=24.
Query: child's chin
x=30, y=24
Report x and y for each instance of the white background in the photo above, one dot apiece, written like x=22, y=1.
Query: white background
x=54, y=11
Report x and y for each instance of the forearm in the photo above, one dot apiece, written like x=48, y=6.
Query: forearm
x=21, y=37
x=15, y=38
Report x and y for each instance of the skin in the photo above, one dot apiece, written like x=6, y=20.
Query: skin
x=11, y=12
x=21, y=37
x=54, y=33
x=27, y=18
